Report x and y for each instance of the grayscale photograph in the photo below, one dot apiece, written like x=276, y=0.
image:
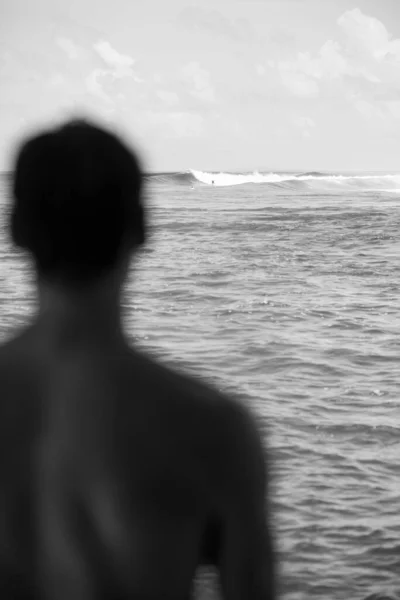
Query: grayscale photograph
x=200, y=299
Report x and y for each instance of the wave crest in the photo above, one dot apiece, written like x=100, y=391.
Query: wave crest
x=315, y=179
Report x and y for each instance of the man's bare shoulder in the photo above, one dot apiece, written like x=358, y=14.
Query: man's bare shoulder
x=174, y=383
x=200, y=402
x=13, y=350
x=18, y=387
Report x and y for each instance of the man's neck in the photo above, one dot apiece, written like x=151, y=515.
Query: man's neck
x=91, y=312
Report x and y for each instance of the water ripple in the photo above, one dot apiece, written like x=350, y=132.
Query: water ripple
x=290, y=302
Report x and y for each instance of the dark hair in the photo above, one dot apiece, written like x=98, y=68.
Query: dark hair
x=77, y=200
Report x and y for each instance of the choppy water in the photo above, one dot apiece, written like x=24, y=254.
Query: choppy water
x=288, y=297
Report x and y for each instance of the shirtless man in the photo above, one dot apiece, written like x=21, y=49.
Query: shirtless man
x=118, y=476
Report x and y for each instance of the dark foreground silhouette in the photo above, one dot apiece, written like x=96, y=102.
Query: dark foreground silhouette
x=119, y=477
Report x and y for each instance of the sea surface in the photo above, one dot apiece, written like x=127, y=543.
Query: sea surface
x=284, y=290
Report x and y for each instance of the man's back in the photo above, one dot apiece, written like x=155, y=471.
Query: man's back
x=118, y=477
x=137, y=475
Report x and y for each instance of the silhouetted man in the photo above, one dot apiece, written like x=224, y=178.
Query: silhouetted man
x=119, y=477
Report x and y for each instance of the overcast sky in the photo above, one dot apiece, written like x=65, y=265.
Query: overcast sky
x=273, y=84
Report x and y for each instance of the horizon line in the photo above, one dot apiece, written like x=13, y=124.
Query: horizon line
x=150, y=173
x=277, y=171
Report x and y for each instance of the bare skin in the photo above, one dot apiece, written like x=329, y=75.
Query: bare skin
x=119, y=477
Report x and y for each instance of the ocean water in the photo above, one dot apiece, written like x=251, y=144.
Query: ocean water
x=283, y=289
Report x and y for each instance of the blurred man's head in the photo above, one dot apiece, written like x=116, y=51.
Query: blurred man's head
x=77, y=202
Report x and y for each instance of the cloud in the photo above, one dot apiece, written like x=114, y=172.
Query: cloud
x=369, y=36
x=94, y=87
x=70, y=48
x=213, y=22
x=199, y=80
x=362, y=65
x=297, y=82
x=120, y=64
x=330, y=64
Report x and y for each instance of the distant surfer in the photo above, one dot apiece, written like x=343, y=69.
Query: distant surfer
x=118, y=476
x=212, y=182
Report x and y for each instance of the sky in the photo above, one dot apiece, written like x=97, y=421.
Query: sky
x=210, y=85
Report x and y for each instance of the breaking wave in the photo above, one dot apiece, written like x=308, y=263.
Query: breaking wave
x=389, y=182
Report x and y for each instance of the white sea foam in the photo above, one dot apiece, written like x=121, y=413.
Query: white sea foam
x=229, y=179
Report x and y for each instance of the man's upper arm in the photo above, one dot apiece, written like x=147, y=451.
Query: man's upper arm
x=246, y=561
